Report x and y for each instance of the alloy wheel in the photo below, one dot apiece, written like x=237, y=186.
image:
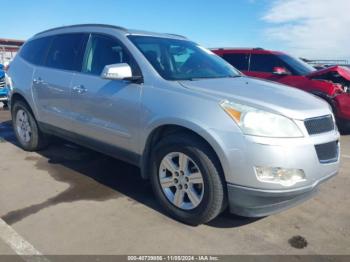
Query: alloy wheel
x=181, y=180
x=23, y=127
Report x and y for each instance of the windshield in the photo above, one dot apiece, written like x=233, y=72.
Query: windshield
x=298, y=66
x=182, y=60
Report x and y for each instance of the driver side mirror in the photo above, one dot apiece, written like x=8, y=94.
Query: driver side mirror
x=117, y=72
x=281, y=71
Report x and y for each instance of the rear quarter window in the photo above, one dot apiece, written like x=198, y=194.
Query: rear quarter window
x=35, y=50
x=239, y=61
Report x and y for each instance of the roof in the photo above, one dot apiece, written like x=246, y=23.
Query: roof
x=129, y=31
x=255, y=50
x=82, y=25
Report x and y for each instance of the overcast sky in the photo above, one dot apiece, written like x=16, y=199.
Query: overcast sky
x=311, y=28
x=307, y=28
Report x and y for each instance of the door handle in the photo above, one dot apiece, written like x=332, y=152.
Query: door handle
x=38, y=81
x=80, y=89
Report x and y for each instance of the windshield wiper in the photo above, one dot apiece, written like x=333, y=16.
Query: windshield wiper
x=235, y=76
x=211, y=77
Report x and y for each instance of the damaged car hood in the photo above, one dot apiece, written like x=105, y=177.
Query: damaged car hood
x=339, y=70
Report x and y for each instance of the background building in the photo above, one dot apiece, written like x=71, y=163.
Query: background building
x=8, y=49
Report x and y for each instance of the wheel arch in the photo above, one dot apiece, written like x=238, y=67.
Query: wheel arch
x=16, y=96
x=165, y=129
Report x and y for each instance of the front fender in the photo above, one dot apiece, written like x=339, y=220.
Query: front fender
x=211, y=135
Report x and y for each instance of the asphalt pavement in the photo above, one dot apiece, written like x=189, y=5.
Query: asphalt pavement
x=71, y=200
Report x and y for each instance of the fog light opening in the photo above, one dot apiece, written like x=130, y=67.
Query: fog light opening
x=277, y=175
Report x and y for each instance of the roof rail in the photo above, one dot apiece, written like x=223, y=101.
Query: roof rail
x=83, y=25
x=184, y=37
x=236, y=48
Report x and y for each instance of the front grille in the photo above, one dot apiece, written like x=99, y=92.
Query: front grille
x=319, y=125
x=328, y=153
x=2, y=82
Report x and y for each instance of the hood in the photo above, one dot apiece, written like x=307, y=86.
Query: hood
x=340, y=70
x=266, y=95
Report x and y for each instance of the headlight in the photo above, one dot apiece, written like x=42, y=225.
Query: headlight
x=257, y=122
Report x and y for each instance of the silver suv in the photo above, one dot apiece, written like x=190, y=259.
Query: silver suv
x=205, y=135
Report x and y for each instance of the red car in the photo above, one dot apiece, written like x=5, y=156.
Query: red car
x=332, y=84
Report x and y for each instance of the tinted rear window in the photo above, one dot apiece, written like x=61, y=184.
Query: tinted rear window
x=34, y=51
x=239, y=61
x=66, y=52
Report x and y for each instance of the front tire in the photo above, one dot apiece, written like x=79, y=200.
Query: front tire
x=343, y=126
x=187, y=179
x=26, y=128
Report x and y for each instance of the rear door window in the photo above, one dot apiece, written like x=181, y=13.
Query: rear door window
x=239, y=61
x=35, y=50
x=66, y=52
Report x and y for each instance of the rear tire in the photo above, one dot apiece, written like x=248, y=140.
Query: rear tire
x=200, y=181
x=26, y=128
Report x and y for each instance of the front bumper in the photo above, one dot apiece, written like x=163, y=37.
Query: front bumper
x=241, y=156
x=253, y=198
x=252, y=202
